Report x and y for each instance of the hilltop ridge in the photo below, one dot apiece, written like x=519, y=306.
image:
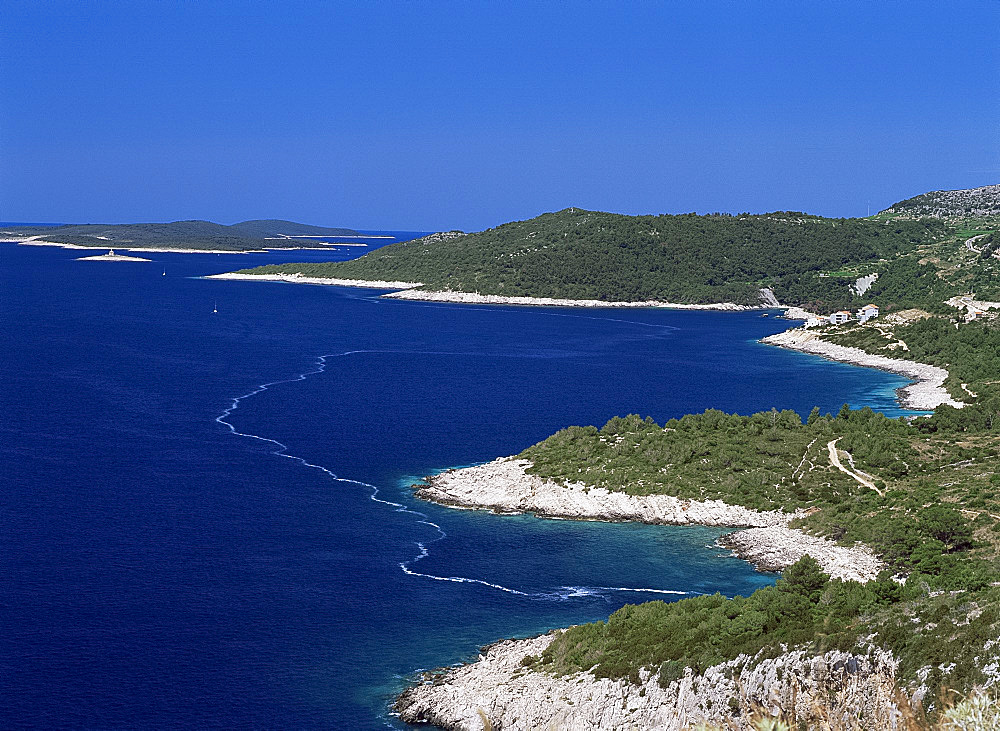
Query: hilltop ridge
x=982, y=202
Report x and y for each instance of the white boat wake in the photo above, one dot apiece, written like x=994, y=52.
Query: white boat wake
x=561, y=593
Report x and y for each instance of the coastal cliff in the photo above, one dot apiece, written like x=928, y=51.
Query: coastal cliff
x=498, y=691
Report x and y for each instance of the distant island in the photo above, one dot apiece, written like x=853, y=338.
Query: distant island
x=196, y=236
x=903, y=257
x=111, y=256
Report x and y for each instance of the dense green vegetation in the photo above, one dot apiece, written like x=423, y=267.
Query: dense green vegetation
x=243, y=236
x=703, y=631
x=804, y=609
x=581, y=254
x=743, y=460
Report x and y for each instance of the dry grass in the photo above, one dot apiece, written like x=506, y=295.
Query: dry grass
x=487, y=724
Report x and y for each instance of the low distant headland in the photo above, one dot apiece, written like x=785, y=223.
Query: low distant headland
x=809, y=264
x=474, y=298
x=188, y=237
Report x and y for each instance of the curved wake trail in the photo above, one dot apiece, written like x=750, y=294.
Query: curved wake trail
x=281, y=450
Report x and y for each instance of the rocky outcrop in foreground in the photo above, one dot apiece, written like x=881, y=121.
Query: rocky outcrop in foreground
x=927, y=393
x=837, y=689
x=504, y=486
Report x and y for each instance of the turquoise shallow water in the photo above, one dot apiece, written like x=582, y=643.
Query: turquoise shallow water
x=165, y=572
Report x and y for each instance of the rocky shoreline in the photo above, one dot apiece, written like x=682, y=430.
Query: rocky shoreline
x=409, y=291
x=926, y=393
x=474, y=298
x=498, y=692
x=774, y=548
x=503, y=486
x=300, y=279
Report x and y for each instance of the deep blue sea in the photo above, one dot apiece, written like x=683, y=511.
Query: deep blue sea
x=158, y=569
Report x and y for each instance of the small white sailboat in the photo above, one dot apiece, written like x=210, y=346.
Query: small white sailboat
x=215, y=307
x=164, y=272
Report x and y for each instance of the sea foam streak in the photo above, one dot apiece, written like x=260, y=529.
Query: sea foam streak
x=281, y=450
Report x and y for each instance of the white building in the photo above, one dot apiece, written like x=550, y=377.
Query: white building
x=839, y=318
x=815, y=322
x=867, y=312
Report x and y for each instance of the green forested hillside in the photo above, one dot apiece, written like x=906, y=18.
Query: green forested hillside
x=178, y=234
x=687, y=258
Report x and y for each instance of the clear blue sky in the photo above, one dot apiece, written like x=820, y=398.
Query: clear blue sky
x=436, y=115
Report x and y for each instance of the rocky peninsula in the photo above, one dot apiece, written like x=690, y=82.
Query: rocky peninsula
x=926, y=393
x=504, y=486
